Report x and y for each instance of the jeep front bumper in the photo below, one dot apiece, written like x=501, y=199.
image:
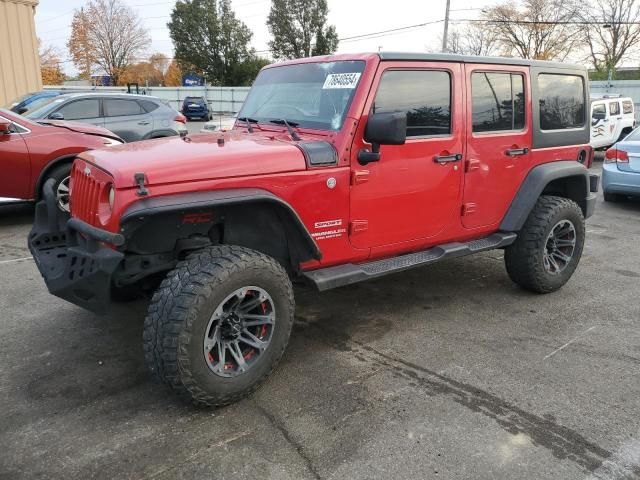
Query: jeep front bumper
x=71, y=256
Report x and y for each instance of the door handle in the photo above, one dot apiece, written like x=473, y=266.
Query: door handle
x=143, y=122
x=514, y=152
x=442, y=159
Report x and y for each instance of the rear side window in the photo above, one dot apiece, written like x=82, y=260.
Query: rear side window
x=627, y=106
x=425, y=95
x=614, y=108
x=118, y=108
x=562, y=104
x=148, y=105
x=498, y=101
x=81, y=109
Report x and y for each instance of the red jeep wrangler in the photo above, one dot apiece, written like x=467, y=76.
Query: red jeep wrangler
x=338, y=169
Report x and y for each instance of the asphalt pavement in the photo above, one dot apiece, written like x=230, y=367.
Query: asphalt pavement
x=448, y=371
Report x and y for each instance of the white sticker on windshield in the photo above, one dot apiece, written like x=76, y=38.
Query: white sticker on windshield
x=341, y=80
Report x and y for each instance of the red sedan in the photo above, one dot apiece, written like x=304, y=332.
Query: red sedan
x=31, y=153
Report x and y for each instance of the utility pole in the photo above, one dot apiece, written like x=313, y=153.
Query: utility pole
x=446, y=28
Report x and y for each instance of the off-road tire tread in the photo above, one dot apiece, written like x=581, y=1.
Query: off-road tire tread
x=174, y=307
x=521, y=258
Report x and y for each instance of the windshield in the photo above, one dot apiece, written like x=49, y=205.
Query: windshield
x=633, y=136
x=41, y=108
x=41, y=102
x=311, y=95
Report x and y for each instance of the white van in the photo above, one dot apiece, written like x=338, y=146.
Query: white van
x=612, y=118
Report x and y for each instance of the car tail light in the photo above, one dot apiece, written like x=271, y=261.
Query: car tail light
x=181, y=118
x=615, y=155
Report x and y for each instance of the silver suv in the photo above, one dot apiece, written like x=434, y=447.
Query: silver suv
x=132, y=117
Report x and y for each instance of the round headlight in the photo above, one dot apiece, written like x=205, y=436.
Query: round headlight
x=112, y=196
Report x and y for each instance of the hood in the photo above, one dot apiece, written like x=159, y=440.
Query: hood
x=198, y=157
x=80, y=128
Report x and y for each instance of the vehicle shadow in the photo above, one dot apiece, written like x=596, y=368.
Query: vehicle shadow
x=16, y=213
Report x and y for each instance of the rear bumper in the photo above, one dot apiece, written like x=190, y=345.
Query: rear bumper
x=71, y=256
x=195, y=113
x=618, y=181
x=592, y=197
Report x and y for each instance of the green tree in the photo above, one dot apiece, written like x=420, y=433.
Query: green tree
x=299, y=29
x=211, y=41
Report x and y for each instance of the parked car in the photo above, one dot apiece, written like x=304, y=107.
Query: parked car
x=612, y=118
x=621, y=168
x=32, y=153
x=26, y=102
x=132, y=117
x=218, y=124
x=196, y=107
x=338, y=170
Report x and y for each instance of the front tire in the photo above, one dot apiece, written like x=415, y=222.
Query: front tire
x=61, y=175
x=218, y=324
x=549, y=245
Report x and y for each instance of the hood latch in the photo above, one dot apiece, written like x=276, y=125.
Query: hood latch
x=139, y=179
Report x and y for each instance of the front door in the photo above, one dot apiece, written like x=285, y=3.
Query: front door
x=498, y=141
x=15, y=163
x=412, y=193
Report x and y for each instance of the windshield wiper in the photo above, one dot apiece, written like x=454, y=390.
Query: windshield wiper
x=248, y=121
x=289, y=126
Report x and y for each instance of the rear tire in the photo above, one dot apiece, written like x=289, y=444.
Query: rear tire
x=201, y=318
x=548, y=247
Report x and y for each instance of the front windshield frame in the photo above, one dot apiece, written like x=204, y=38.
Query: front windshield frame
x=286, y=84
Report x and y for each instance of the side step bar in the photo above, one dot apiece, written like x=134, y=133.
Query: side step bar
x=340, y=275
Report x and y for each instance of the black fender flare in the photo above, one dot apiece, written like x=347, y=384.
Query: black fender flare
x=164, y=132
x=182, y=204
x=534, y=185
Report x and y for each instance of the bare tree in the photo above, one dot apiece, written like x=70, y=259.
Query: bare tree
x=113, y=38
x=540, y=29
x=613, y=31
x=480, y=39
x=473, y=39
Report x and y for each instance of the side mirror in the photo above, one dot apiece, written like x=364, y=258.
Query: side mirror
x=56, y=116
x=383, y=129
x=21, y=110
x=599, y=115
x=5, y=126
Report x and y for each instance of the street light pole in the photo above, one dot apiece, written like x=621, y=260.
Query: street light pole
x=446, y=28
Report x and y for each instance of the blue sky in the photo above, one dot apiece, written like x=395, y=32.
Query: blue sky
x=351, y=18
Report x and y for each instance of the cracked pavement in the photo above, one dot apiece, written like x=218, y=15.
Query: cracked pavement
x=448, y=371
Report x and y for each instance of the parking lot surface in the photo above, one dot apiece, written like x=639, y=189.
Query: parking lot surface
x=448, y=371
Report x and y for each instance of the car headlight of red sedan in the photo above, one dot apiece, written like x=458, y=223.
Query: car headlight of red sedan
x=111, y=142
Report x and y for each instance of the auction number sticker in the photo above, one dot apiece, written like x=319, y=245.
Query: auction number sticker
x=341, y=80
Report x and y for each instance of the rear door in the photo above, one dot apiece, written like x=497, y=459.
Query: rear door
x=126, y=117
x=498, y=141
x=408, y=196
x=615, y=119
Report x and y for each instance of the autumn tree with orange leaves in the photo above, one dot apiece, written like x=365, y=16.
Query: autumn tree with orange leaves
x=50, y=66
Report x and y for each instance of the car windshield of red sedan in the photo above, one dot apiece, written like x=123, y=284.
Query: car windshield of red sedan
x=308, y=95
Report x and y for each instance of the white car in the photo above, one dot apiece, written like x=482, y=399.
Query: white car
x=612, y=119
x=218, y=123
